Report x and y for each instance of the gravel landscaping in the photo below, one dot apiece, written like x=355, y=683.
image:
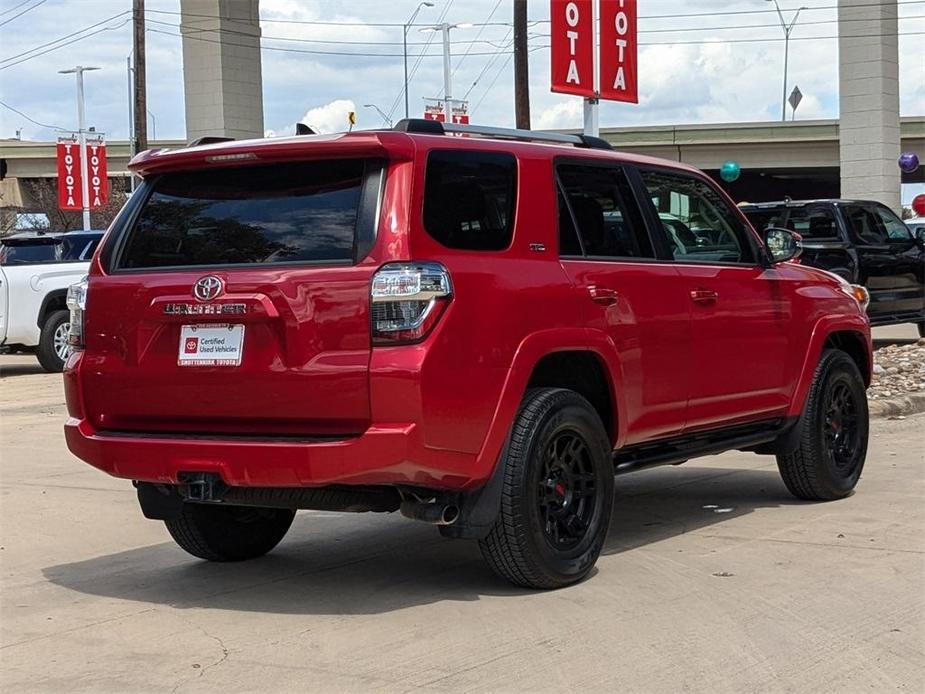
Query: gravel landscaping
x=899, y=370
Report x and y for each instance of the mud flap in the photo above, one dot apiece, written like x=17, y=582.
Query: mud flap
x=159, y=501
x=479, y=509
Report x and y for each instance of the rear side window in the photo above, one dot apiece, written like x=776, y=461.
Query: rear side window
x=299, y=212
x=600, y=206
x=814, y=223
x=469, y=199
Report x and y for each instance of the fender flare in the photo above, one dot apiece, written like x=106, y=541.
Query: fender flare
x=824, y=327
x=53, y=295
x=528, y=354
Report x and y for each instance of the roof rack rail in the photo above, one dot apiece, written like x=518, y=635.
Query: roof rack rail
x=209, y=140
x=432, y=127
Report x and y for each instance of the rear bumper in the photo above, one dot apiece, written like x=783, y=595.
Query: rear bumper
x=384, y=454
x=388, y=453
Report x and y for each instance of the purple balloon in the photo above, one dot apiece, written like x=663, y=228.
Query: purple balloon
x=908, y=162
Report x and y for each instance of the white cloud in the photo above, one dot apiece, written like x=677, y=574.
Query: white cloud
x=330, y=118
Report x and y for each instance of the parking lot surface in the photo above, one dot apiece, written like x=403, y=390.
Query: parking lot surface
x=713, y=579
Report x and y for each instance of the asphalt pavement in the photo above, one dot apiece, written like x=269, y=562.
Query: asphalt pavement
x=713, y=579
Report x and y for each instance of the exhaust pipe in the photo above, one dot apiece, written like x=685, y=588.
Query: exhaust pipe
x=435, y=514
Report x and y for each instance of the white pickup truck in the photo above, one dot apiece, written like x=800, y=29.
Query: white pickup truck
x=35, y=271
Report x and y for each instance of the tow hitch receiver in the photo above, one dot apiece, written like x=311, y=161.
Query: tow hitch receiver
x=202, y=487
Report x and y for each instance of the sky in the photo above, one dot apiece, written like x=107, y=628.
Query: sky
x=707, y=61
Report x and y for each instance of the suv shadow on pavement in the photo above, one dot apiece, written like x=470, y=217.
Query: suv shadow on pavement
x=337, y=564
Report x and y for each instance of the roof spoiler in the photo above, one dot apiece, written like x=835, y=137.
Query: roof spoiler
x=432, y=127
x=209, y=140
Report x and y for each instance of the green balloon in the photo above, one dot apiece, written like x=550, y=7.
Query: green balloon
x=730, y=171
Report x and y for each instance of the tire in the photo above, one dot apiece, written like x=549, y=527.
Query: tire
x=55, y=328
x=831, y=443
x=229, y=533
x=555, y=513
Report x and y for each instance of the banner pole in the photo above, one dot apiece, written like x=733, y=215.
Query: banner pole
x=592, y=104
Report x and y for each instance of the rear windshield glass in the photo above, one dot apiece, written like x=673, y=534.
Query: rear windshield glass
x=469, y=199
x=300, y=212
x=28, y=253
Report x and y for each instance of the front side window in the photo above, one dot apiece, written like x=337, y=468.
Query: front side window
x=896, y=230
x=866, y=227
x=699, y=225
x=599, y=205
x=299, y=212
x=469, y=199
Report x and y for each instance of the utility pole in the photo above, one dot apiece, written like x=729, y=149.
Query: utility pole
x=82, y=141
x=521, y=69
x=138, y=44
x=131, y=118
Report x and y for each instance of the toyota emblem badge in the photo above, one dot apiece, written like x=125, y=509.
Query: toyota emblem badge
x=207, y=288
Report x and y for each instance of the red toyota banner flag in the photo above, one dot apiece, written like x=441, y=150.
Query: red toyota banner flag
x=98, y=190
x=572, y=47
x=69, y=175
x=70, y=191
x=618, y=51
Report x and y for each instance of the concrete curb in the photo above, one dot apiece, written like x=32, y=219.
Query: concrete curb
x=895, y=407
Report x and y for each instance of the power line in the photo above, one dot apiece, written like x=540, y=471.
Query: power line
x=15, y=7
x=490, y=63
x=28, y=9
x=481, y=29
x=324, y=41
x=736, y=13
x=31, y=120
x=472, y=42
x=764, y=40
x=495, y=79
x=68, y=43
x=80, y=31
x=320, y=23
x=724, y=13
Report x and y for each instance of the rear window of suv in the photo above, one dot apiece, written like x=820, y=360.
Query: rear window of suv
x=469, y=199
x=281, y=213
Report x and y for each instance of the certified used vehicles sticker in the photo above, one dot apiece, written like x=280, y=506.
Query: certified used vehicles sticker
x=211, y=345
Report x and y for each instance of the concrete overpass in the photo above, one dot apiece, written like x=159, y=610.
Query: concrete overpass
x=796, y=158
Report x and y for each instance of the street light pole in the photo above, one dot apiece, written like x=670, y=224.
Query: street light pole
x=82, y=141
x=447, y=76
x=447, y=68
x=788, y=29
x=385, y=118
x=404, y=41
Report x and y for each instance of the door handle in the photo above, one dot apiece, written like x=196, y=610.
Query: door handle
x=704, y=296
x=603, y=296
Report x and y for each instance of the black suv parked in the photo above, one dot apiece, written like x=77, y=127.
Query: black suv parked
x=861, y=241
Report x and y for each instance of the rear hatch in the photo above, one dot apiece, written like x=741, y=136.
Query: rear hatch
x=235, y=301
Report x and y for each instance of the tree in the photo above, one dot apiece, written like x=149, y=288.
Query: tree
x=43, y=194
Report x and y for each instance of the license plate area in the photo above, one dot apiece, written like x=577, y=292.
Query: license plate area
x=211, y=344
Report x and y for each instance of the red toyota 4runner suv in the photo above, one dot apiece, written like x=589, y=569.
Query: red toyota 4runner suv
x=478, y=331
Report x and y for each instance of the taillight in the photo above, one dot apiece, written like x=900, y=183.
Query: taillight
x=77, y=303
x=407, y=301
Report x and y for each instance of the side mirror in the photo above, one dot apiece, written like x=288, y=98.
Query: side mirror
x=782, y=244
x=920, y=234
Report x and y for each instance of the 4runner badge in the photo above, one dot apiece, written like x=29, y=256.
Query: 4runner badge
x=207, y=288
